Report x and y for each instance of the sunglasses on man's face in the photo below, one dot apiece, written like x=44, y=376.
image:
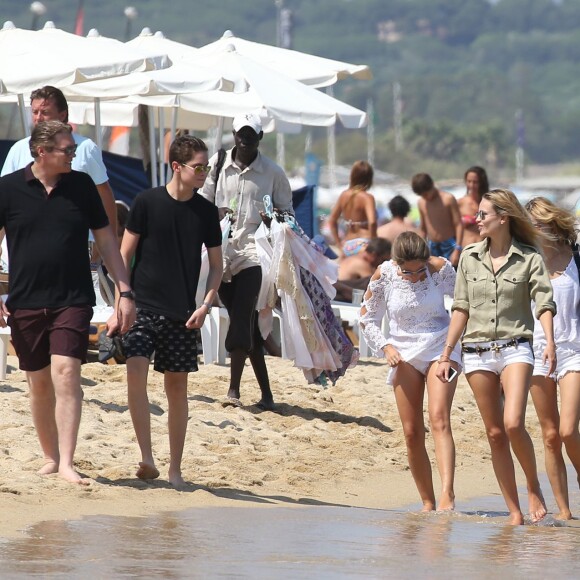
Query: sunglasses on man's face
x=198, y=169
x=70, y=150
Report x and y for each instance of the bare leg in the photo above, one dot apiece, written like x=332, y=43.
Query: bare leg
x=66, y=377
x=545, y=398
x=42, y=407
x=570, y=417
x=516, y=380
x=409, y=386
x=176, y=391
x=440, y=401
x=487, y=391
x=137, y=372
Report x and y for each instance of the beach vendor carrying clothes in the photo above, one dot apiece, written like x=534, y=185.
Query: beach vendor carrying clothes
x=492, y=314
x=239, y=188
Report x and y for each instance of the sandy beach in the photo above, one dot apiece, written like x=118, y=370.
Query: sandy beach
x=342, y=445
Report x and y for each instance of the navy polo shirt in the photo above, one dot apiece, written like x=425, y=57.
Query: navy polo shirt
x=47, y=237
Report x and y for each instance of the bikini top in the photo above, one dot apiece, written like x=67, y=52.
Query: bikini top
x=468, y=220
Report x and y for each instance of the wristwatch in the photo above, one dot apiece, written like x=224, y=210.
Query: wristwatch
x=208, y=306
x=129, y=294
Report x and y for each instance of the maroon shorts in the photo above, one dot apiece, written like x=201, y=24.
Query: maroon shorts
x=41, y=332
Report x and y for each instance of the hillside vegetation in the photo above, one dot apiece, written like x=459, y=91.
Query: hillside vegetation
x=465, y=67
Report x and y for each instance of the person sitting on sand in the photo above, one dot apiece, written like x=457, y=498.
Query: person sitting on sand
x=354, y=272
x=492, y=314
x=47, y=209
x=357, y=209
x=166, y=229
x=363, y=265
x=440, y=219
x=399, y=208
x=411, y=288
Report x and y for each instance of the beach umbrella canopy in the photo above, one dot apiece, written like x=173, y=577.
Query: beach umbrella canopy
x=309, y=69
x=171, y=81
x=271, y=94
x=281, y=101
x=31, y=59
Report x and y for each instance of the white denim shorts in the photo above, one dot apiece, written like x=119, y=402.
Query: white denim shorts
x=568, y=360
x=422, y=364
x=495, y=362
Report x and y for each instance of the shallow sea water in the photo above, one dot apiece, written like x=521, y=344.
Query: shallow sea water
x=300, y=542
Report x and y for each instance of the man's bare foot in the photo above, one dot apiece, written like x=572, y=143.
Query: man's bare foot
x=563, y=515
x=177, y=481
x=446, y=502
x=516, y=519
x=147, y=471
x=48, y=468
x=70, y=475
x=537, y=506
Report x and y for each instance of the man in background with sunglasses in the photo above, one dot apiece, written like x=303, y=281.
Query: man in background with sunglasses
x=47, y=210
x=49, y=104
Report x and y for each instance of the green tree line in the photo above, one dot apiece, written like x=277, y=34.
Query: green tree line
x=465, y=66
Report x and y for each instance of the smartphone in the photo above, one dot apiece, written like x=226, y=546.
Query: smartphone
x=452, y=374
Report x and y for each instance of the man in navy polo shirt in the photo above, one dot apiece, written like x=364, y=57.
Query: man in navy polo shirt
x=47, y=210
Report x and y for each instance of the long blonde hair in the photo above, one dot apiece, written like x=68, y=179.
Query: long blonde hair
x=560, y=222
x=522, y=229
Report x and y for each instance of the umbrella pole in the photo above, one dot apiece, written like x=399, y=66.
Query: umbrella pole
x=161, y=119
x=173, y=132
x=219, y=134
x=22, y=108
x=153, y=156
x=98, y=132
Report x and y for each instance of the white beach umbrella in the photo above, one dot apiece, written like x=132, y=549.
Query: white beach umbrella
x=31, y=59
x=307, y=68
x=172, y=81
x=271, y=94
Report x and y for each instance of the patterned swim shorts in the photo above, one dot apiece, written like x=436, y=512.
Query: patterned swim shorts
x=174, y=345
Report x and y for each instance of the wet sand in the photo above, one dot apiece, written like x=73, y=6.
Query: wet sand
x=339, y=446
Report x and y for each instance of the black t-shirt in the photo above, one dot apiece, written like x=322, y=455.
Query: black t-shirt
x=168, y=256
x=47, y=238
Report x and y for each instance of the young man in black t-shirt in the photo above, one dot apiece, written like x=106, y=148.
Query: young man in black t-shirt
x=166, y=229
x=47, y=210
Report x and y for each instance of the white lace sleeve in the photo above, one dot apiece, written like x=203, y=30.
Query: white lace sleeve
x=448, y=276
x=372, y=313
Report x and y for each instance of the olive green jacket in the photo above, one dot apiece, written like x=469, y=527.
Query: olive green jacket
x=499, y=304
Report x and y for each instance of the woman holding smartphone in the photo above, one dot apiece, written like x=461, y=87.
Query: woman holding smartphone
x=410, y=288
x=496, y=281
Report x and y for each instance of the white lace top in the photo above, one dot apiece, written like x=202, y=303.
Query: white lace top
x=567, y=298
x=417, y=319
